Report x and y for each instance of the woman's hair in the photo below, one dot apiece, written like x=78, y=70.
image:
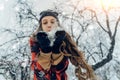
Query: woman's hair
x=77, y=59
x=44, y=14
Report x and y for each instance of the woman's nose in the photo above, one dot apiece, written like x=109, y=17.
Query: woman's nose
x=49, y=24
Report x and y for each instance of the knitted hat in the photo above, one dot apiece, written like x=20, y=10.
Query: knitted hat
x=48, y=13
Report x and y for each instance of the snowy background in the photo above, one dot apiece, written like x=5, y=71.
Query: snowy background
x=94, y=25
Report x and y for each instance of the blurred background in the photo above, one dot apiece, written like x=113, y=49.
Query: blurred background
x=93, y=24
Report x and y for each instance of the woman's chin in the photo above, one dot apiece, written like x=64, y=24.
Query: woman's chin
x=49, y=30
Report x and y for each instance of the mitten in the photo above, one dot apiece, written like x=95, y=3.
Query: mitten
x=44, y=42
x=60, y=35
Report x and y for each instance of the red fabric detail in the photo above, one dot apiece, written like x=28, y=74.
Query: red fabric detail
x=34, y=77
x=33, y=60
x=38, y=66
x=33, y=54
x=31, y=42
x=65, y=66
x=61, y=76
x=62, y=72
x=58, y=76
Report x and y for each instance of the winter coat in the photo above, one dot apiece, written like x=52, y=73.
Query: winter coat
x=70, y=51
x=46, y=60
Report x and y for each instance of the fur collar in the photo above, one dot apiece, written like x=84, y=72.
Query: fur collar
x=51, y=34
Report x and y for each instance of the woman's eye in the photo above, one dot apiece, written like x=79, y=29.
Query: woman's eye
x=45, y=23
x=52, y=22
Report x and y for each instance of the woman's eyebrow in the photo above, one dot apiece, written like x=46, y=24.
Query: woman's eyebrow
x=52, y=19
x=44, y=20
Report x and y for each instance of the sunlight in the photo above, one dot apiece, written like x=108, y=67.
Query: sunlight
x=108, y=3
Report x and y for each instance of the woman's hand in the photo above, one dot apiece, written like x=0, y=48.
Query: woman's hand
x=44, y=42
x=60, y=35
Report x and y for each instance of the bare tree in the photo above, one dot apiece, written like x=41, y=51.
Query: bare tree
x=15, y=63
x=97, y=43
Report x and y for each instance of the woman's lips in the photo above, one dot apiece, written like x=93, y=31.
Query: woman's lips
x=49, y=28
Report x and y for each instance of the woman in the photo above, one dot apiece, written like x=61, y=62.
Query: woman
x=51, y=47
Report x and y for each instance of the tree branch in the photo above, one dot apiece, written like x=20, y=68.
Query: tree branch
x=117, y=23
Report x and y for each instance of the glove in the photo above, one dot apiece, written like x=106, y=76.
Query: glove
x=35, y=47
x=44, y=42
x=60, y=35
x=40, y=75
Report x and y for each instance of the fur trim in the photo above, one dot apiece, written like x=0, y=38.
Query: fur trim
x=51, y=34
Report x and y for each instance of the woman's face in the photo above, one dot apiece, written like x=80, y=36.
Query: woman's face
x=48, y=23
